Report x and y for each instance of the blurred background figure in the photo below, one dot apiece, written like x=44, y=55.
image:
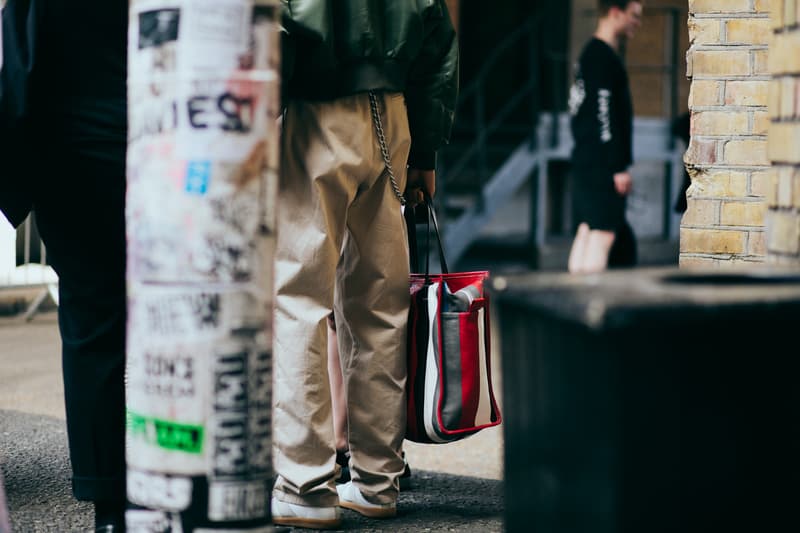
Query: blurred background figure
x=602, y=126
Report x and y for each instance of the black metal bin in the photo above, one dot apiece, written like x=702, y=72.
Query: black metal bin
x=651, y=400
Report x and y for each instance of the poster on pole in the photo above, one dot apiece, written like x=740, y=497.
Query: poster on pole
x=202, y=175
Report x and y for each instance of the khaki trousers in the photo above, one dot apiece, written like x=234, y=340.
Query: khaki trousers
x=342, y=246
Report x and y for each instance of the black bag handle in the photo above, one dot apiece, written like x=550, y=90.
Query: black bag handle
x=432, y=217
x=410, y=215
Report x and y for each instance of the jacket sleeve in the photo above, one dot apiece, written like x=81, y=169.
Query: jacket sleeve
x=432, y=88
x=601, y=88
x=20, y=26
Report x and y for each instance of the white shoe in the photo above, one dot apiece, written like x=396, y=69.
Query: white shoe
x=351, y=498
x=291, y=514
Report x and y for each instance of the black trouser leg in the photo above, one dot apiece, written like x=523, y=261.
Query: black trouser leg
x=84, y=234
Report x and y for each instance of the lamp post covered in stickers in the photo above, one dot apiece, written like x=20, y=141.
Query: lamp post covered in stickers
x=203, y=103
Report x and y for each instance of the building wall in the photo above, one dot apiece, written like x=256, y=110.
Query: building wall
x=783, y=197
x=724, y=224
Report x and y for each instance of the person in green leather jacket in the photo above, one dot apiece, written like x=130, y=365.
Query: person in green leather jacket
x=370, y=89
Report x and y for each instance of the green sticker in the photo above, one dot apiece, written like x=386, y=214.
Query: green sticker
x=166, y=434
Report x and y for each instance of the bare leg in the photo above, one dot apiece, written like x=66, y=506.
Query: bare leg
x=597, y=249
x=337, y=390
x=578, y=250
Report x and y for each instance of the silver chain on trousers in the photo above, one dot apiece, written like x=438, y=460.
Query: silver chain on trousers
x=376, y=119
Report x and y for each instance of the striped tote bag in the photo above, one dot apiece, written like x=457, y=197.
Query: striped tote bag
x=450, y=394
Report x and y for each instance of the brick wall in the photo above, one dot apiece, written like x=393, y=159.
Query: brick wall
x=727, y=157
x=783, y=198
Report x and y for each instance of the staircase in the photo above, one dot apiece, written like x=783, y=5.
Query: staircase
x=477, y=176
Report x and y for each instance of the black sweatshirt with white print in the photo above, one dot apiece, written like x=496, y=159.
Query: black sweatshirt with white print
x=602, y=113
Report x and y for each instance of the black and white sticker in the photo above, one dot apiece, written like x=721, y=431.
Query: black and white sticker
x=238, y=500
x=149, y=489
x=145, y=521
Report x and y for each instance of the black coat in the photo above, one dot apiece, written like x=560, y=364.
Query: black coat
x=62, y=100
x=21, y=23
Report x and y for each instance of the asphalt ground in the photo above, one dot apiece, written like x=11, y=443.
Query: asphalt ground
x=455, y=487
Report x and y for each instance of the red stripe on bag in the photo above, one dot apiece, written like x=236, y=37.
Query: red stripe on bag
x=413, y=365
x=470, y=369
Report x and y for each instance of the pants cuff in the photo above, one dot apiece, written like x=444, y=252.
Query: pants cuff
x=320, y=500
x=99, y=488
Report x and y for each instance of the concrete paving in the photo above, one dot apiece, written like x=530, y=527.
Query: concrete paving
x=456, y=487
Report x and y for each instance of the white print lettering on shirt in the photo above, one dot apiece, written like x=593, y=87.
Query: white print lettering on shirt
x=577, y=93
x=603, y=114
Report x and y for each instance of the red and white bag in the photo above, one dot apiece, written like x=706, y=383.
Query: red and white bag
x=450, y=393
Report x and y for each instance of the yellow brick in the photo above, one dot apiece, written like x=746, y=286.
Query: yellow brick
x=719, y=123
x=796, y=189
x=784, y=58
x=742, y=213
x=701, y=152
x=697, y=263
x=747, y=93
x=784, y=142
x=701, y=213
x=760, y=182
x=785, y=175
x=787, y=88
x=748, y=31
x=783, y=232
x=720, y=63
x=789, y=12
x=719, y=6
x=764, y=6
x=761, y=62
x=776, y=13
x=702, y=241
x=774, y=107
x=750, y=153
x=718, y=184
x=757, y=243
x=704, y=92
x=704, y=31
x=772, y=188
x=760, y=123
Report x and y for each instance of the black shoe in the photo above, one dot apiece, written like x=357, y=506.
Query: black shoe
x=109, y=517
x=343, y=460
x=405, y=477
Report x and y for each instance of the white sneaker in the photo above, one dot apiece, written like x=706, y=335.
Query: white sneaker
x=351, y=498
x=291, y=514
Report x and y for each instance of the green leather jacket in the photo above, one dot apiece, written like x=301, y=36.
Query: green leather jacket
x=335, y=48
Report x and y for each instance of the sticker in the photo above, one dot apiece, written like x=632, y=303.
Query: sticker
x=239, y=500
x=241, y=443
x=158, y=26
x=257, y=529
x=144, y=521
x=166, y=434
x=158, y=491
x=168, y=375
x=198, y=174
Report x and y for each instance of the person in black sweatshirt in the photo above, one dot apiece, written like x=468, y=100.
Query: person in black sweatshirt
x=63, y=128
x=602, y=124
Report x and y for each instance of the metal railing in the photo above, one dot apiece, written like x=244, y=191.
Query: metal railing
x=472, y=104
x=24, y=268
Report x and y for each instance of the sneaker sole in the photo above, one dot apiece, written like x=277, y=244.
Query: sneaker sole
x=309, y=523
x=369, y=512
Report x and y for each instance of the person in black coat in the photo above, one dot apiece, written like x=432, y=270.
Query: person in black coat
x=602, y=127
x=62, y=154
